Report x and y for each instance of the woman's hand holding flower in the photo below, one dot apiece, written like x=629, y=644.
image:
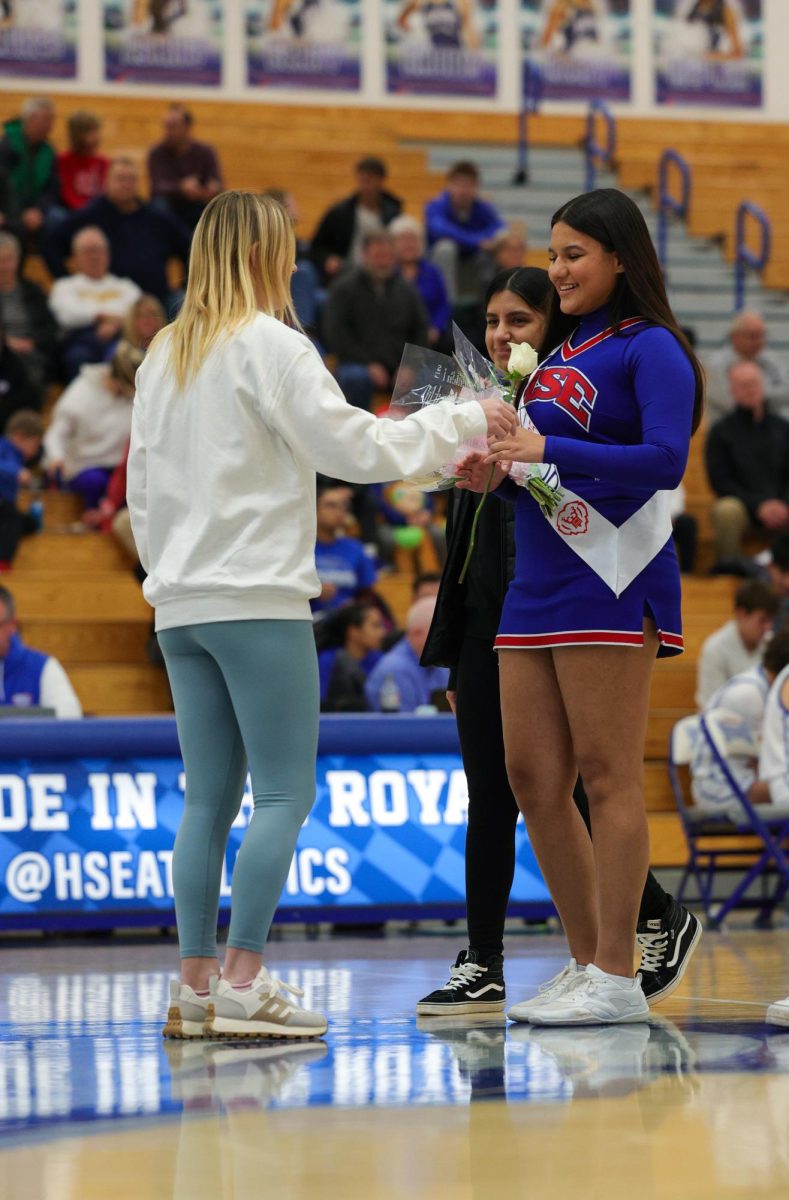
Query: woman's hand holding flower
x=522, y=445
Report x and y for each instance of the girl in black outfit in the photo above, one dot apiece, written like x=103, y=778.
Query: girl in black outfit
x=461, y=637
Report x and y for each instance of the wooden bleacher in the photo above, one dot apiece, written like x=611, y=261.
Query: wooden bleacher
x=76, y=594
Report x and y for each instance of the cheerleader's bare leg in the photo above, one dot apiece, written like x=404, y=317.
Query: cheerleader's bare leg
x=542, y=773
x=605, y=695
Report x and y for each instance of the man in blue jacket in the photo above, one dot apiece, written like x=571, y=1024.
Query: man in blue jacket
x=28, y=678
x=461, y=229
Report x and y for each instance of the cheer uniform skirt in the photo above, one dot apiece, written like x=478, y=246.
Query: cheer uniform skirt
x=555, y=599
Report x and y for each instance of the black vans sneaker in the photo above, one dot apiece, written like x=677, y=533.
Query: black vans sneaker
x=476, y=985
x=667, y=946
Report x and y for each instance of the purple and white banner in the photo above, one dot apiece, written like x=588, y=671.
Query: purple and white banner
x=582, y=49
x=708, y=52
x=38, y=38
x=441, y=47
x=164, y=42
x=304, y=43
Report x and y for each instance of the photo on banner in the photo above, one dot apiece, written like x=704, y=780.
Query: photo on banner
x=164, y=41
x=38, y=38
x=441, y=47
x=304, y=43
x=709, y=52
x=582, y=49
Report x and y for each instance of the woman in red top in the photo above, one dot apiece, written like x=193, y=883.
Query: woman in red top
x=81, y=169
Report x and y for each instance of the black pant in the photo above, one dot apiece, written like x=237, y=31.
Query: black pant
x=492, y=809
x=14, y=525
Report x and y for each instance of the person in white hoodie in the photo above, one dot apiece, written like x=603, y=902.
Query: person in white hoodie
x=91, y=423
x=234, y=414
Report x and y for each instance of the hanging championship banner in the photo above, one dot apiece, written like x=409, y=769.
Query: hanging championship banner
x=163, y=41
x=708, y=52
x=581, y=48
x=39, y=38
x=304, y=43
x=441, y=47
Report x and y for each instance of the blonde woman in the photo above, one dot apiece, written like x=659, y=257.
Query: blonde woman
x=234, y=414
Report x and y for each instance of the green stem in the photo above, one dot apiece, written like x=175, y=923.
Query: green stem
x=473, y=537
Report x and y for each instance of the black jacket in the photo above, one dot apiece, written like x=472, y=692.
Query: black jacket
x=364, y=323
x=749, y=459
x=473, y=608
x=43, y=326
x=334, y=234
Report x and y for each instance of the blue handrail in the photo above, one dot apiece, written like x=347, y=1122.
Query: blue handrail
x=598, y=153
x=533, y=86
x=668, y=203
x=743, y=257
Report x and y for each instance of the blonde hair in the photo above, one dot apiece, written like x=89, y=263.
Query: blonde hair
x=242, y=257
x=146, y=300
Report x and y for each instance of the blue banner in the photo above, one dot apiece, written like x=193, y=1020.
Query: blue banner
x=92, y=834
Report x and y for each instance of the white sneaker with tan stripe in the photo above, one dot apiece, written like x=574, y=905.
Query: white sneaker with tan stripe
x=261, y=1011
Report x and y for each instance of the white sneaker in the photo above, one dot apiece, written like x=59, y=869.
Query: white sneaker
x=188, y=1012
x=597, y=999
x=546, y=992
x=778, y=1013
x=262, y=1011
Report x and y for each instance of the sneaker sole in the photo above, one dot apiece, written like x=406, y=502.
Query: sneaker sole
x=627, y=1019
x=176, y=1027
x=470, y=1006
x=224, y=1027
x=656, y=997
x=778, y=1014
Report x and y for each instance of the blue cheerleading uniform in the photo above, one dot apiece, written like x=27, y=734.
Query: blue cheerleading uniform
x=616, y=409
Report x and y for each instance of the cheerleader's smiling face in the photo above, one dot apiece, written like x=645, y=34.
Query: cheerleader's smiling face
x=508, y=318
x=583, y=272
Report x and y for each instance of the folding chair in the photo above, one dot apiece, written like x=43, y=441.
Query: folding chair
x=771, y=831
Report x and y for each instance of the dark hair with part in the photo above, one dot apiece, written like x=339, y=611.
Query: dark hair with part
x=372, y=166
x=756, y=596
x=617, y=223
x=776, y=652
x=532, y=284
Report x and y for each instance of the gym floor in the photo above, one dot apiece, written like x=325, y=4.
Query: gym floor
x=93, y=1102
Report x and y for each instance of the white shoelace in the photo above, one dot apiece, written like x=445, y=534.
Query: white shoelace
x=463, y=975
x=653, y=950
x=563, y=978
x=274, y=985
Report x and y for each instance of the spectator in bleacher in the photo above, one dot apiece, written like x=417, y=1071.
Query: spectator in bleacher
x=685, y=528
x=91, y=425
x=747, y=343
x=345, y=570
x=461, y=232
x=17, y=390
x=29, y=159
x=746, y=706
x=184, y=173
x=112, y=514
x=28, y=678
x=339, y=239
x=142, y=238
x=747, y=457
x=425, y=584
x=737, y=646
x=81, y=169
x=398, y=683
x=143, y=321
x=305, y=286
x=409, y=247
x=370, y=314
x=91, y=304
x=30, y=329
x=19, y=445
x=358, y=633
x=405, y=508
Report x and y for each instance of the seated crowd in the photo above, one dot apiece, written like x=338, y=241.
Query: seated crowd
x=371, y=279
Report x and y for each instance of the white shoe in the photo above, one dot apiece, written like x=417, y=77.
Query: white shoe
x=262, y=1011
x=547, y=991
x=188, y=1012
x=778, y=1013
x=597, y=999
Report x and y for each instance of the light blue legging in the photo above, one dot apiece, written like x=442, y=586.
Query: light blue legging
x=245, y=692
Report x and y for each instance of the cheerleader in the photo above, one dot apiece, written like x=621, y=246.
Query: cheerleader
x=234, y=414
x=596, y=593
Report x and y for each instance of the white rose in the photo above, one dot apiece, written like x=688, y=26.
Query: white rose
x=523, y=359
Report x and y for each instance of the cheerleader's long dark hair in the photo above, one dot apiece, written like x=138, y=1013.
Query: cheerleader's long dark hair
x=617, y=223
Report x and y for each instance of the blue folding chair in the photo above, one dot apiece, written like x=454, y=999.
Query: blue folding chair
x=709, y=838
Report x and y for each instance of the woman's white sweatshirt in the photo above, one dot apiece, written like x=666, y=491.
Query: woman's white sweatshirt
x=221, y=476
x=90, y=424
